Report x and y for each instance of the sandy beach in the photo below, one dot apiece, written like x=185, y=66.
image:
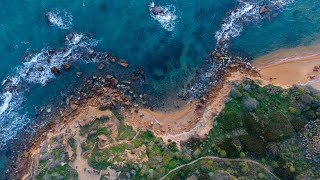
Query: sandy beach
x=291, y=66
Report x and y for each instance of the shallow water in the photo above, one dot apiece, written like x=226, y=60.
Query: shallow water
x=170, y=48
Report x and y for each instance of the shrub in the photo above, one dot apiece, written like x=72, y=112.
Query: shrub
x=223, y=153
x=231, y=120
x=293, y=110
x=235, y=93
x=250, y=103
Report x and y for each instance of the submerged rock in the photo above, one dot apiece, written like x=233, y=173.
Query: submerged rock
x=55, y=70
x=101, y=66
x=123, y=63
x=66, y=67
x=79, y=74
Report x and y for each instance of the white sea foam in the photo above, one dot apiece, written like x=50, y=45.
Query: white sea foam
x=244, y=13
x=11, y=119
x=6, y=98
x=167, y=19
x=233, y=24
x=60, y=18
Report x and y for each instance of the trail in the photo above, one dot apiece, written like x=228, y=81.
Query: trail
x=221, y=159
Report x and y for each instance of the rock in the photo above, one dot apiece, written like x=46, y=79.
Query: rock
x=124, y=64
x=40, y=68
x=218, y=55
x=55, y=70
x=113, y=59
x=114, y=81
x=66, y=67
x=263, y=9
x=108, y=77
x=101, y=66
x=104, y=56
x=74, y=106
x=79, y=74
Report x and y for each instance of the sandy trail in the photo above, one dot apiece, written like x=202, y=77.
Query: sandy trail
x=265, y=168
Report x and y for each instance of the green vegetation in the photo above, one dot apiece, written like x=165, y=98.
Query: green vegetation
x=215, y=169
x=265, y=122
x=125, y=133
x=73, y=145
x=93, y=125
x=62, y=172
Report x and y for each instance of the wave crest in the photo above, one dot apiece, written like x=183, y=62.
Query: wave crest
x=246, y=12
x=166, y=18
x=59, y=18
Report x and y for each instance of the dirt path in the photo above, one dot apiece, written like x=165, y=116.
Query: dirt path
x=221, y=159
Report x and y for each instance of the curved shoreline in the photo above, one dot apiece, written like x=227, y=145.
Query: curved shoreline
x=194, y=119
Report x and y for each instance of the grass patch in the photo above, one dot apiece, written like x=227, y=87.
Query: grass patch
x=62, y=172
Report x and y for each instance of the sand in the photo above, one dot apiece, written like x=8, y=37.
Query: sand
x=291, y=66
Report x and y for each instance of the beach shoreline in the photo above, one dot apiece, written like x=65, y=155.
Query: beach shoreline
x=193, y=119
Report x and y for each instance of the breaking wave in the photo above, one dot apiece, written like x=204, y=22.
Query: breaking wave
x=246, y=12
x=36, y=69
x=167, y=18
x=59, y=18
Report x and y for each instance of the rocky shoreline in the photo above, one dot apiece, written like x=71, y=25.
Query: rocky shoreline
x=115, y=93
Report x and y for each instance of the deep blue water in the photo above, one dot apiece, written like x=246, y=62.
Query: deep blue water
x=169, y=48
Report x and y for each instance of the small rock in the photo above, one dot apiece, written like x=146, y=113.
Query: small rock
x=101, y=66
x=263, y=9
x=74, y=106
x=108, y=77
x=114, y=82
x=66, y=67
x=40, y=68
x=124, y=64
x=55, y=70
x=79, y=74
x=113, y=59
x=104, y=56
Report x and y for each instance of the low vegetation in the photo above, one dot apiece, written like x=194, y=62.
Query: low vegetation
x=275, y=128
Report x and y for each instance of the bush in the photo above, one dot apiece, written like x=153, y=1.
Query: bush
x=231, y=120
x=250, y=103
x=253, y=144
x=293, y=110
x=223, y=153
x=235, y=93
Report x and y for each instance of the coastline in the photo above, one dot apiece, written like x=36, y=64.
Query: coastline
x=191, y=120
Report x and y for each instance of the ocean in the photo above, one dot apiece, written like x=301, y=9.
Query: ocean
x=169, y=47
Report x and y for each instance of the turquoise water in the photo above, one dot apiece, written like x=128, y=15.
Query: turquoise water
x=296, y=25
x=169, y=48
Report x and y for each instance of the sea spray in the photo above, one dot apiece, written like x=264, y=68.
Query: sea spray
x=59, y=18
x=166, y=17
x=246, y=12
x=36, y=69
x=220, y=60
